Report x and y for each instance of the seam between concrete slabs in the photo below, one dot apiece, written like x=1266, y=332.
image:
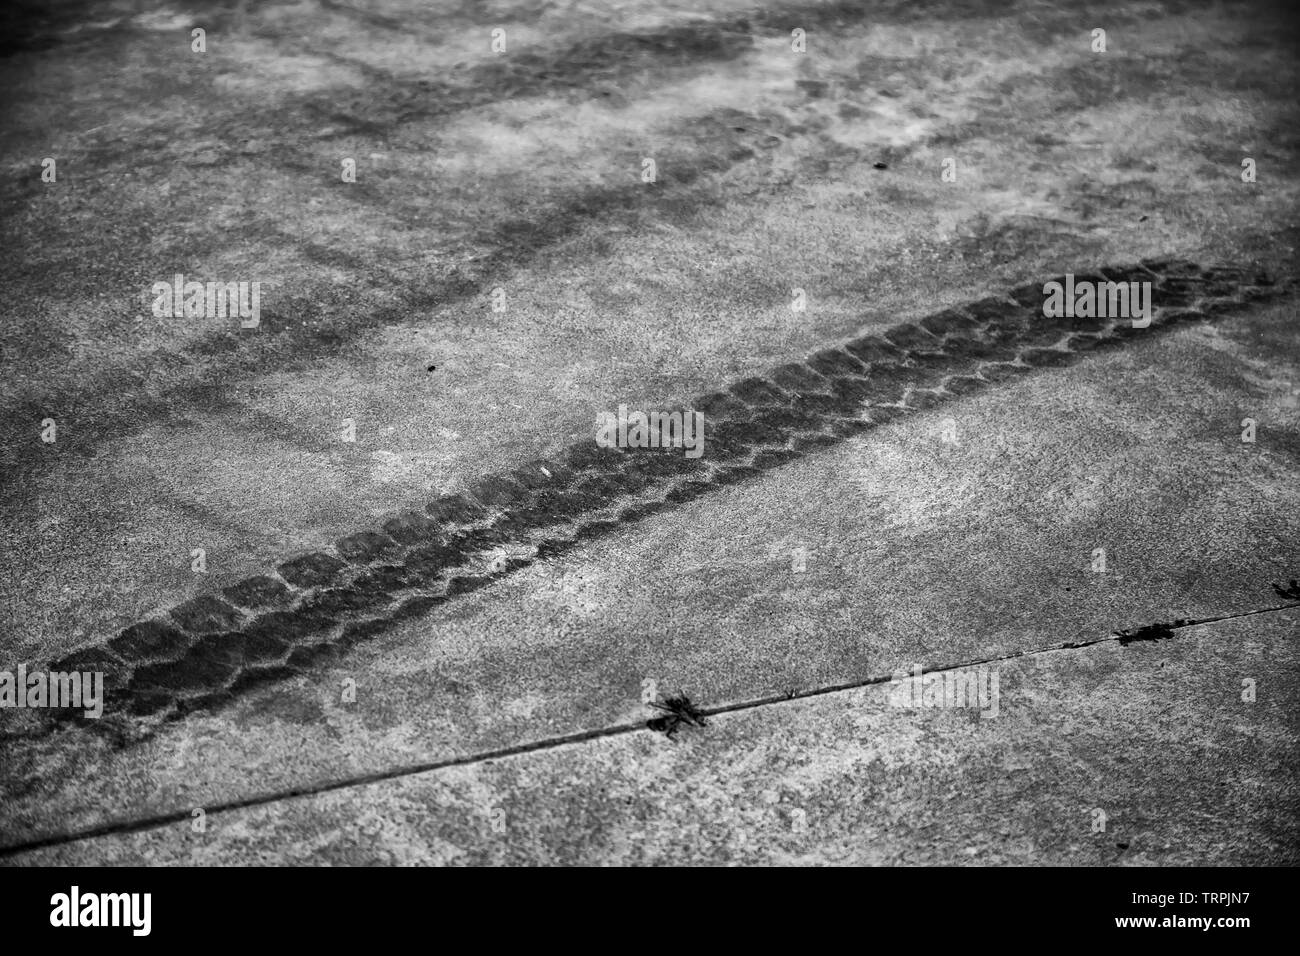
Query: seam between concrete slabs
x=566, y=740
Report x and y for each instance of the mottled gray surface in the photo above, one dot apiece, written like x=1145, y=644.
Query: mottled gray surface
x=184, y=434
x=523, y=172
x=1111, y=755
x=919, y=552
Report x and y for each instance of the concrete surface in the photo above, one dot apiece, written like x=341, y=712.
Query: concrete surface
x=1133, y=755
x=478, y=171
x=918, y=551
x=522, y=172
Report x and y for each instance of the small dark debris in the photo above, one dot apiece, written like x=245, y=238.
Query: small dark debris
x=889, y=93
x=880, y=165
x=1143, y=219
x=1152, y=632
x=433, y=368
x=677, y=711
x=1291, y=592
x=1122, y=846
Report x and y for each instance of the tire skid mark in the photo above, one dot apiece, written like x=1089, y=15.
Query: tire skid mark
x=312, y=608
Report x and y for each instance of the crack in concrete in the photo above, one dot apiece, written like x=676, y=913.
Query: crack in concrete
x=697, y=715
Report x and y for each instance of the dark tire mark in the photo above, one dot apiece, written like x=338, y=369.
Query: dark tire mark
x=208, y=650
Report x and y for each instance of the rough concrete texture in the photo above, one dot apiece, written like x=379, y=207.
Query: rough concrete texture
x=918, y=551
x=479, y=171
x=958, y=534
x=1109, y=755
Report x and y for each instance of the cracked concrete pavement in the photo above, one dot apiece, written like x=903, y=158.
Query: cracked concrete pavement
x=1139, y=755
x=960, y=534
